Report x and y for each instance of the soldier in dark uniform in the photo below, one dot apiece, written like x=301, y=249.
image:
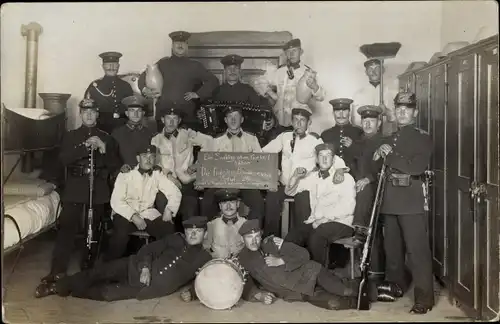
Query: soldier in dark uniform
x=284, y=270
x=365, y=172
x=158, y=269
x=134, y=134
x=343, y=134
x=184, y=82
x=75, y=155
x=108, y=93
x=407, y=154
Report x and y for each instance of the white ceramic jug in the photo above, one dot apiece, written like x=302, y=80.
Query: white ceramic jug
x=154, y=79
x=304, y=93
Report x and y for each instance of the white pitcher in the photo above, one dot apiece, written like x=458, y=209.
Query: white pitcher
x=303, y=92
x=154, y=79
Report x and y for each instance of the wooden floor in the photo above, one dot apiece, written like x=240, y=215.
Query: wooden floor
x=22, y=307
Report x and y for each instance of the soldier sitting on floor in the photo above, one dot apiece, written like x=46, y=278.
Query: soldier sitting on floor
x=133, y=202
x=223, y=239
x=158, y=269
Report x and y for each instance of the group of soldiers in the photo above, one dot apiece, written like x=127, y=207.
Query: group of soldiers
x=148, y=180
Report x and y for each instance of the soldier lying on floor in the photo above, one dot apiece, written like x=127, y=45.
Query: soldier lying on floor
x=158, y=269
x=284, y=270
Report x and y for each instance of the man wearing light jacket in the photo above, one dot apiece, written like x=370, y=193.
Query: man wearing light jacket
x=332, y=204
x=133, y=202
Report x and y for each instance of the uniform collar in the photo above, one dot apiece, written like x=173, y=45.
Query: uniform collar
x=169, y=135
x=323, y=174
x=133, y=126
x=230, y=219
x=295, y=135
x=230, y=135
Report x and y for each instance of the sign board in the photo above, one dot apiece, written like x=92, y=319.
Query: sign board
x=237, y=170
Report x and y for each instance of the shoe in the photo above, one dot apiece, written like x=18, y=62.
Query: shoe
x=390, y=288
x=385, y=297
x=331, y=302
x=51, y=278
x=45, y=289
x=420, y=309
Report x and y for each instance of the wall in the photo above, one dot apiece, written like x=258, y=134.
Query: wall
x=331, y=32
x=468, y=20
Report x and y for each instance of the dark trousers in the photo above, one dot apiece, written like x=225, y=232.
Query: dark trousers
x=122, y=229
x=410, y=232
x=330, y=282
x=317, y=240
x=105, y=282
x=251, y=197
x=190, y=202
x=301, y=209
x=70, y=221
x=364, y=203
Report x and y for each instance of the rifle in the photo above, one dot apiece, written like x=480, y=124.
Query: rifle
x=363, y=292
x=90, y=215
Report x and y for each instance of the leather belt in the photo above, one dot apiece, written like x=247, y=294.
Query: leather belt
x=413, y=177
x=80, y=171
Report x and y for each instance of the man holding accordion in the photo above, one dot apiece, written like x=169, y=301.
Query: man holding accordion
x=90, y=156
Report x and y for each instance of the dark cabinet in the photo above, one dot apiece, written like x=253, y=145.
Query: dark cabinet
x=458, y=106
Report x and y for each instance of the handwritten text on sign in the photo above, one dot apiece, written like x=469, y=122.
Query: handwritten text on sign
x=237, y=170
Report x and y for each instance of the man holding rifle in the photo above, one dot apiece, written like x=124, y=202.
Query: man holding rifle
x=407, y=154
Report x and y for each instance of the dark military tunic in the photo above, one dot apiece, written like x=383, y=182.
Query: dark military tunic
x=181, y=75
x=130, y=139
x=172, y=262
x=238, y=92
x=289, y=281
x=411, y=154
x=108, y=93
x=362, y=152
x=333, y=135
x=75, y=156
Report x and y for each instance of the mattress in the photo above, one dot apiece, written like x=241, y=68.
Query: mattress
x=32, y=214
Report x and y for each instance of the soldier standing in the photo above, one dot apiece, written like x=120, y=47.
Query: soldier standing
x=407, y=154
x=75, y=155
x=108, y=93
x=184, y=82
x=343, y=134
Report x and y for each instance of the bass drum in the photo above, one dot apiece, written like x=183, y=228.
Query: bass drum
x=219, y=283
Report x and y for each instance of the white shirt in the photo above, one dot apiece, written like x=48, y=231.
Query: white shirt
x=247, y=143
x=135, y=193
x=370, y=95
x=286, y=91
x=329, y=202
x=303, y=155
x=176, y=154
x=223, y=238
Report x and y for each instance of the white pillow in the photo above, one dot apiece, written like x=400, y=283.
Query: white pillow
x=31, y=188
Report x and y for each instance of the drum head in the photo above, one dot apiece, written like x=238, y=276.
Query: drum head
x=219, y=286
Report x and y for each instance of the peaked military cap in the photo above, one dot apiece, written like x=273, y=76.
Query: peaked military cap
x=179, y=36
x=232, y=59
x=325, y=146
x=110, y=57
x=172, y=109
x=371, y=62
x=195, y=222
x=341, y=103
x=230, y=108
x=250, y=226
x=302, y=111
x=88, y=104
x=405, y=99
x=369, y=111
x=227, y=194
x=134, y=101
x=146, y=149
x=292, y=43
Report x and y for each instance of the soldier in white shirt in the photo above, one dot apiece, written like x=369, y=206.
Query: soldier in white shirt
x=332, y=204
x=133, y=201
x=297, y=148
x=235, y=140
x=223, y=239
x=285, y=80
x=175, y=156
x=370, y=95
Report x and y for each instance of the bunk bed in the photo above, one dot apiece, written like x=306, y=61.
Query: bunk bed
x=30, y=205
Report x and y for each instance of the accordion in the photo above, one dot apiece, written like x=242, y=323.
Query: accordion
x=213, y=113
